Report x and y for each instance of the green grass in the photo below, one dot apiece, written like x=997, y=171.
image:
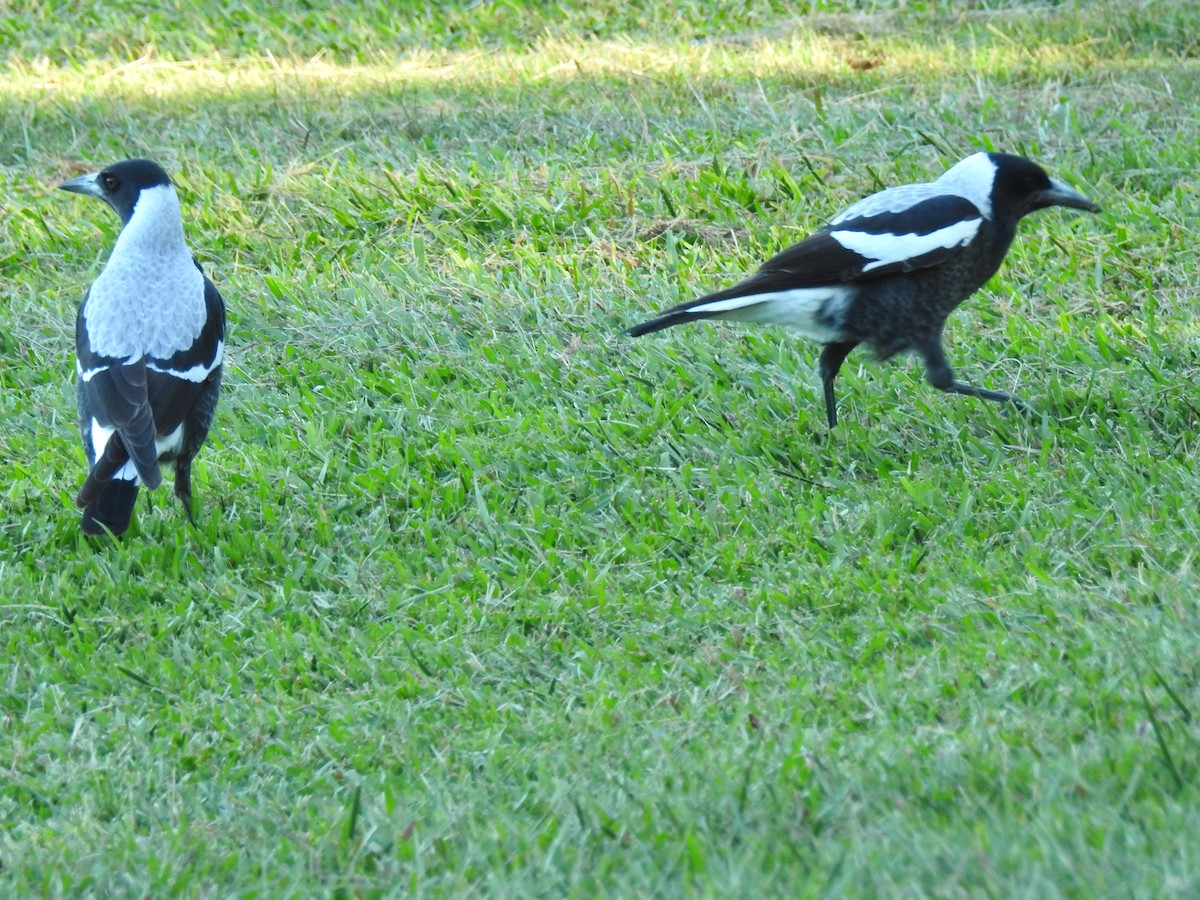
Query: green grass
x=486, y=598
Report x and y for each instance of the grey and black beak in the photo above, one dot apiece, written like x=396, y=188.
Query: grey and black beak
x=1062, y=194
x=84, y=184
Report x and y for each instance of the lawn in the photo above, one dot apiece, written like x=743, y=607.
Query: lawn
x=486, y=598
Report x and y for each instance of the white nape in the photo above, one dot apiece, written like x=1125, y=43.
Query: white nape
x=971, y=179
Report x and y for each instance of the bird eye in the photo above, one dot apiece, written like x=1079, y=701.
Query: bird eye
x=109, y=182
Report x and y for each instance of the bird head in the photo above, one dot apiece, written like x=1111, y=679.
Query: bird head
x=1021, y=186
x=120, y=184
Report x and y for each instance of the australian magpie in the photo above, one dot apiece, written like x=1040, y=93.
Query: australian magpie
x=890, y=269
x=149, y=341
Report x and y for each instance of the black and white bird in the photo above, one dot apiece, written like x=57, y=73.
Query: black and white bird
x=889, y=270
x=149, y=342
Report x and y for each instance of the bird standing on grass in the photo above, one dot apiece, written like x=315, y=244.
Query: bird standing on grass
x=890, y=269
x=149, y=341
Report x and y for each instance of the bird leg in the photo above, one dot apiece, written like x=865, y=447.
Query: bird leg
x=832, y=357
x=939, y=373
x=183, y=488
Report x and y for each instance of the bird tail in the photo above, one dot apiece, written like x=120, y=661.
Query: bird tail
x=111, y=508
x=110, y=462
x=814, y=311
x=691, y=311
x=108, y=494
x=666, y=320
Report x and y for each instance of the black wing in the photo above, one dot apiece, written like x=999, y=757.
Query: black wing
x=874, y=245
x=857, y=247
x=115, y=393
x=175, y=384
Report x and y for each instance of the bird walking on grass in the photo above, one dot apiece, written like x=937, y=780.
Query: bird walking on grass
x=149, y=342
x=889, y=270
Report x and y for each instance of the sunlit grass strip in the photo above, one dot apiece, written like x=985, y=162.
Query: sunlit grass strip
x=804, y=55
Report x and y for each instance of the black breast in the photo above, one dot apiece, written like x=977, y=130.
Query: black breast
x=891, y=314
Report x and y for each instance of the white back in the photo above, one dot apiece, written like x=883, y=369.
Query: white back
x=971, y=179
x=149, y=300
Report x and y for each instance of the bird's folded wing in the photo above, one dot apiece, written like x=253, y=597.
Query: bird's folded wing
x=175, y=383
x=880, y=241
x=118, y=396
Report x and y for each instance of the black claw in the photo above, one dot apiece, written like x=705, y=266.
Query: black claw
x=969, y=390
